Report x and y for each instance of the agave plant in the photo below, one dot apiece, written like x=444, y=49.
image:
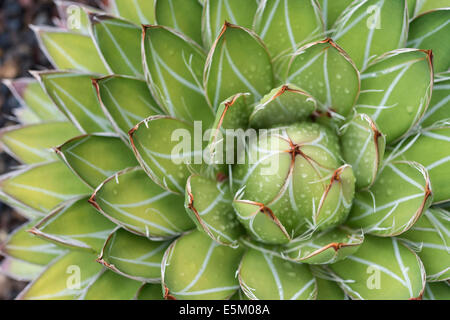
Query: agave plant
x=342, y=192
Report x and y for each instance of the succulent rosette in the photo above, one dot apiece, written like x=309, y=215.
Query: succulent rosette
x=225, y=149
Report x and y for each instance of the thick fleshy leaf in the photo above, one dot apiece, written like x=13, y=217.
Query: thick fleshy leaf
x=75, y=96
x=73, y=16
x=135, y=202
x=230, y=68
x=196, y=267
x=284, y=26
x=265, y=277
x=363, y=147
x=428, y=5
x=133, y=256
x=284, y=105
x=430, y=31
x=369, y=28
x=327, y=289
x=382, y=269
x=209, y=204
x=397, y=199
x=290, y=180
x=94, y=158
x=65, y=279
x=24, y=246
x=116, y=105
x=231, y=116
x=173, y=66
x=31, y=143
x=216, y=12
x=31, y=95
x=386, y=94
x=137, y=11
x=437, y=291
x=150, y=292
x=431, y=236
x=331, y=10
x=20, y=270
x=184, y=16
x=325, y=247
x=111, y=286
x=439, y=108
x=431, y=148
x=119, y=42
x=326, y=72
x=165, y=148
x=411, y=7
x=43, y=186
x=76, y=225
x=68, y=50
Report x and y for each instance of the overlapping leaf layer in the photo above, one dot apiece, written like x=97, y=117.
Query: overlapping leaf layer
x=343, y=192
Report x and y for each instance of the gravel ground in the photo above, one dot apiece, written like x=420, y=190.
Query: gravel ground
x=19, y=53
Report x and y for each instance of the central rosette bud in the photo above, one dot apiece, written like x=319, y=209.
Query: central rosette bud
x=293, y=182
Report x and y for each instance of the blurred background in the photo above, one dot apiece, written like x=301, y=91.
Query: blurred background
x=19, y=52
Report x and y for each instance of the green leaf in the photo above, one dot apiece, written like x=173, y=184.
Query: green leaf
x=386, y=94
x=284, y=26
x=119, y=42
x=31, y=96
x=94, y=158
x=431, y=236
x=165, y=148
x=117, y=107
x=133, y=201
x=329, y=290
x=326, y=72
x=68, y=50
x=290, y=179
x=429, y=31
x=73, y=16
x=411, y=7
x=437, y=291
x=24, y=246
x=439, y=108
x=431, y=148
x=209, y=204
x=363, y=147
x=395, y=202
x=261, y=222
x=265, y=277
x=283, y=105
x=20, y=270
x=232, y=114
x=325, y=247
x=230, y=68
x=184, y=16
x=331, y=10
x=150, y=292
x=75, y=96
x=65, y=279
x=43, y=186
x=133, y=256
x=427, y=5
x=382, y=269
x=31, y=143
x=111, y=286
x=138, y=11
x=216, y=12
x=196, y=267
x=369, y=28
x=173, y=65
x=75, y=224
